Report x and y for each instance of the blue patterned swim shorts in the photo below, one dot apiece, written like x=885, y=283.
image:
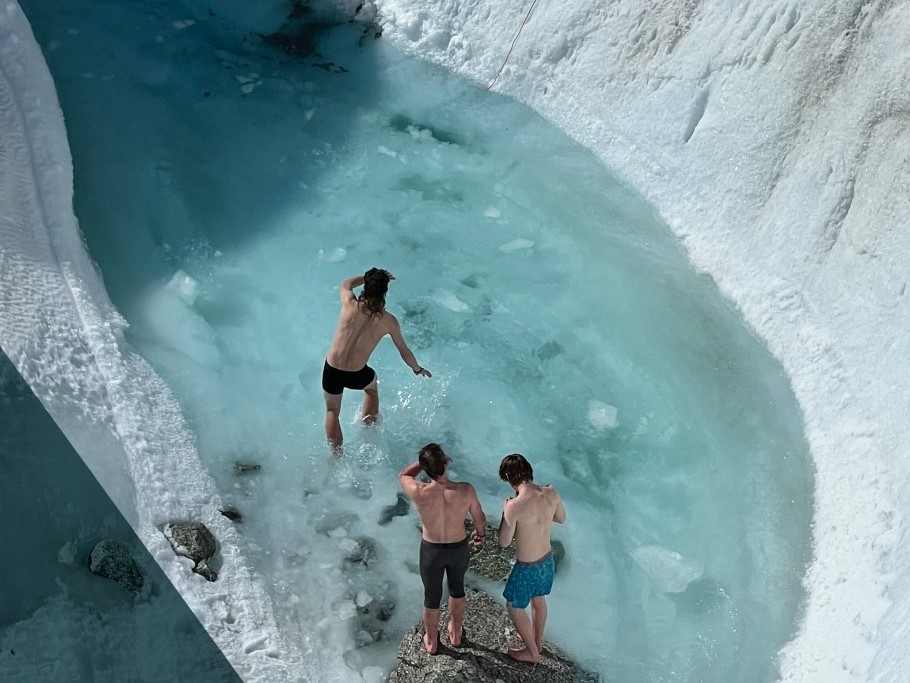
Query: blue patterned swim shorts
x=529, y=580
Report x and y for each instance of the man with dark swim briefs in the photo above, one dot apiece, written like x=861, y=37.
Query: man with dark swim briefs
x=443, y=506
x=362, y=323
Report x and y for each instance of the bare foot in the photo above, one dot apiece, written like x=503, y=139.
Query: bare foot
x=455, y=642
x=430, y=647
x=524, y=655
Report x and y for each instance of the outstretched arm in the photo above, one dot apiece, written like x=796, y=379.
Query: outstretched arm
x=406, y=355
x=408, y=479
x=346, y=291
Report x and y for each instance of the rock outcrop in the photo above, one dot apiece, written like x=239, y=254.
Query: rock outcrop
x=113, y=561
x=494, y=562
x=488, y=633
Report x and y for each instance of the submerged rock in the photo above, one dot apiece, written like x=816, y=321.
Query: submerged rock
x=390, y=512
x=488, y=633
x=246, y=468
x=113, y=561
x=232, y=514
x=195, y=541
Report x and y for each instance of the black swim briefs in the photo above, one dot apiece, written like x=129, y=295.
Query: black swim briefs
x=335, y=381
x=438, y=558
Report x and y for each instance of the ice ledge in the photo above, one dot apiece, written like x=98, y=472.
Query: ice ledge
x=773, y=138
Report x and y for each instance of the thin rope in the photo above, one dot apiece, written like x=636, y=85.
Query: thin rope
x=512, y=46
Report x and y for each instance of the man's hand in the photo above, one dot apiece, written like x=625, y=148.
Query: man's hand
x=477, y=538
x=391, y=277
x=422, y=372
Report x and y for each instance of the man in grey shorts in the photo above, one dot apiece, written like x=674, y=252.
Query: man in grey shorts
x=443, y=506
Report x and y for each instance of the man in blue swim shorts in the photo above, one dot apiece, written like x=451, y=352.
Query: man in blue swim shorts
x=526, y=517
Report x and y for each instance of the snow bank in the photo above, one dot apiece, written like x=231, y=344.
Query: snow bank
x=59, y=328
x=773, y=138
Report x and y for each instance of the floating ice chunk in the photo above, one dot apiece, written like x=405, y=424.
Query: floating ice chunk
x=308, y=114
x=347, y=610
x=336, y=255
x=516, y=244
x=641, y=427
x=669, y=571
x=382, y=149
x=53, y=45
x=338, y=532
x=452, y=302
x=185, y=287
x=67, y=554
x=181, y=24
x=492, y=212
x=363, y=598
x=602, y=415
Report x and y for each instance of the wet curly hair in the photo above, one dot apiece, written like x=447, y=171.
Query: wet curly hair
x=375, y=286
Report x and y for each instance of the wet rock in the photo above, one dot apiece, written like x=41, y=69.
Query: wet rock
x=488, y=633
x=359, y=552
x=232, y=514
x=241, y=468
x=390, y=512
x=113, y=561
x=195, y=541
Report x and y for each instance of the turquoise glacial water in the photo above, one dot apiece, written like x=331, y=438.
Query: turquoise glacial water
x=226, y=188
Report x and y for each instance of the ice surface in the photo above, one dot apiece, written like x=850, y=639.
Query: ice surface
x=772, y=139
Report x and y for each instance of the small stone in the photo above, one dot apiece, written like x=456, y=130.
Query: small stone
x=111, y=560
x=232, y=514
x=241, y=468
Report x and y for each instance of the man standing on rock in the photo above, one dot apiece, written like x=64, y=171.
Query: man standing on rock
x=443, y=506
x=362, y=323
x=527, y=517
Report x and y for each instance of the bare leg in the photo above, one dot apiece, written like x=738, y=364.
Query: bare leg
x=332, y=423
x=431, y=628
x=539, y=616
x=530, y=653
x=371, y=402
x=456, y=623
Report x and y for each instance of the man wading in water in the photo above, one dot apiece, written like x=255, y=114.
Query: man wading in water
x=362, y=323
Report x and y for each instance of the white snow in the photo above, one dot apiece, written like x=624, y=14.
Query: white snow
x=60, y=329
x=773, y=139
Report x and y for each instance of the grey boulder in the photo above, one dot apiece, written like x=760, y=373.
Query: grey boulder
x=111, y=560
x=195, y=541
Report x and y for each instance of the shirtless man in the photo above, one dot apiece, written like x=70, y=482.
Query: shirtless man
x=443, y=506
x=527, y=517
x=362, y=323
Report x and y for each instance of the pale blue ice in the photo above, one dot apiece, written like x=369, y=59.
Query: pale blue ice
x=559, y=317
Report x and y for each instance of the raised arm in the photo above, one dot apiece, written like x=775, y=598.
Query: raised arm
x=408, y=479
x=559, y=515
x=346, y=290
x=507, y=523
x=406, y=355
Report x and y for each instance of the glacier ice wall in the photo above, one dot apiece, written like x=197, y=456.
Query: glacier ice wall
x=773, y=138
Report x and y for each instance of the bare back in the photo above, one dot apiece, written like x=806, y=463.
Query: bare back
x=443, y=507
x=531, y=512
x=357, y=335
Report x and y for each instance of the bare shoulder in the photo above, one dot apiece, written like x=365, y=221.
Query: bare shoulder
x=550, y=492
x=389, y=322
